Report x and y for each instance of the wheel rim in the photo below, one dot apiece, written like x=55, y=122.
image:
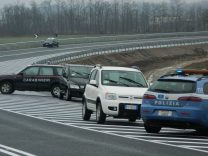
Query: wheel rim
x=56, y=91
x=5, y=88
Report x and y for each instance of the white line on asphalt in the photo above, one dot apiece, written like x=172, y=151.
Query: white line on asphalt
x=10, y=151
x=195, y=146
x=123, y=136
x=184, y=142
x=159, y=137
x=118, y=126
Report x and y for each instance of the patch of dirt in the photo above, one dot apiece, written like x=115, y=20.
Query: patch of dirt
x=153, y=62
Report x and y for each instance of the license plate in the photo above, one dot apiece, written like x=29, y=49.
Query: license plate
x=165, y=113
x=131, y=107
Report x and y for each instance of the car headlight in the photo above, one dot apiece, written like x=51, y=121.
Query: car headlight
x=74, y=86
x=110, y=96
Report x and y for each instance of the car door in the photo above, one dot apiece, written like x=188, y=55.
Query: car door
x=45, y=77
x=91, y=94
x=27, y=79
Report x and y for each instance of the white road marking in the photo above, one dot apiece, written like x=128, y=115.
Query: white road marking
x=69, y=114
x=13, y=152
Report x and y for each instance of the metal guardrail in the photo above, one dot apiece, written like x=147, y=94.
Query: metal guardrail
x=30, y=44
x=122, y=48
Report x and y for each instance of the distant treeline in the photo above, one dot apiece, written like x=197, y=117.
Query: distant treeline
x=103, y=17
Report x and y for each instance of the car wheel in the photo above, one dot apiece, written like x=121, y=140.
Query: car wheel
x=55, y=90
x=7, y=87
x=100, y=115
x=86, y=113
x=68, y=96
x=132, y=119
x=152, y=129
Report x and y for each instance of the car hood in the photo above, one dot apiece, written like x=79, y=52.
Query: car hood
x=126, y=91
x=79, y=81
x=7, y=76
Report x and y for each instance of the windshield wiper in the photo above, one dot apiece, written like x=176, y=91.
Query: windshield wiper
x=116, y=82
x=162, y=90
x=110, y=80
x=132, y=81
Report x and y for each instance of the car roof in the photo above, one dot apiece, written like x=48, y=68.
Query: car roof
x=51, y=38
x=79, y=65
x=44, y=65
x=180, y=77
x=117, y=68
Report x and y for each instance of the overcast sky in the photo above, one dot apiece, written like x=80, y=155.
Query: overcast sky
x=4, y=2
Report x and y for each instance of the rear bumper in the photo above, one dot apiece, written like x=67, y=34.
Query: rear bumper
x=182, y=117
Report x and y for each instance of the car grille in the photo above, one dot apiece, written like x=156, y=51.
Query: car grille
x=130, y=97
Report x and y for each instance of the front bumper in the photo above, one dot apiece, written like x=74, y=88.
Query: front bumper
x=116, y=109
x=76, y=92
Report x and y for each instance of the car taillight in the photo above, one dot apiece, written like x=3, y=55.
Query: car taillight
x=190, y=98
x=148, y=96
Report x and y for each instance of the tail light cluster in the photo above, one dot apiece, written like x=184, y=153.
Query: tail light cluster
x=190, y=98
x=149, y=96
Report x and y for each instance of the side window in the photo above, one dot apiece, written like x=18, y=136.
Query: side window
x=93, y=74
x=59, y=71
x=205, y=88
x=46, y=71
x=31, y=71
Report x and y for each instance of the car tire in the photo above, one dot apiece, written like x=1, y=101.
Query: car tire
x=61, y=96
x=152, y=129
x=202, y=130
x=6, y=87
x=132, y=119
x=68, y=96
x=86, y=113
x=55, y=90
x=100, y=115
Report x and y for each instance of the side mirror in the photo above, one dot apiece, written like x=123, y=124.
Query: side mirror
x=93, y=82
x=64, y=74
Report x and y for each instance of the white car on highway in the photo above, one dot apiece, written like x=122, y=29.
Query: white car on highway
x=114, y=91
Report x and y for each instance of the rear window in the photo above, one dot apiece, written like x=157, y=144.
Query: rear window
x=173, y=86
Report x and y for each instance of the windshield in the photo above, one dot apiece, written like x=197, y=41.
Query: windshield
x=79, y=71
x=123, y=78
x=173, y=86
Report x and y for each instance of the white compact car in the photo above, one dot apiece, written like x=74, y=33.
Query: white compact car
x=114, y=91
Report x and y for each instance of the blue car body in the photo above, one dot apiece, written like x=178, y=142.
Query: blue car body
x=183, y=105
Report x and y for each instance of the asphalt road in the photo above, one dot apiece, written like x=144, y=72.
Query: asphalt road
x=37, y=124
x=45, y=136
x=34, y=52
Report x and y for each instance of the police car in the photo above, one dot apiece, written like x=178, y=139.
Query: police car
x=177, y=100
x=34, y=78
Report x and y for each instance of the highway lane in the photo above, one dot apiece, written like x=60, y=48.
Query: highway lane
x=48, y=126
x=57, y=130
x=34, y=52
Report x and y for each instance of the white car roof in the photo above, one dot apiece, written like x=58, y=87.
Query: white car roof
x=117, y=68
